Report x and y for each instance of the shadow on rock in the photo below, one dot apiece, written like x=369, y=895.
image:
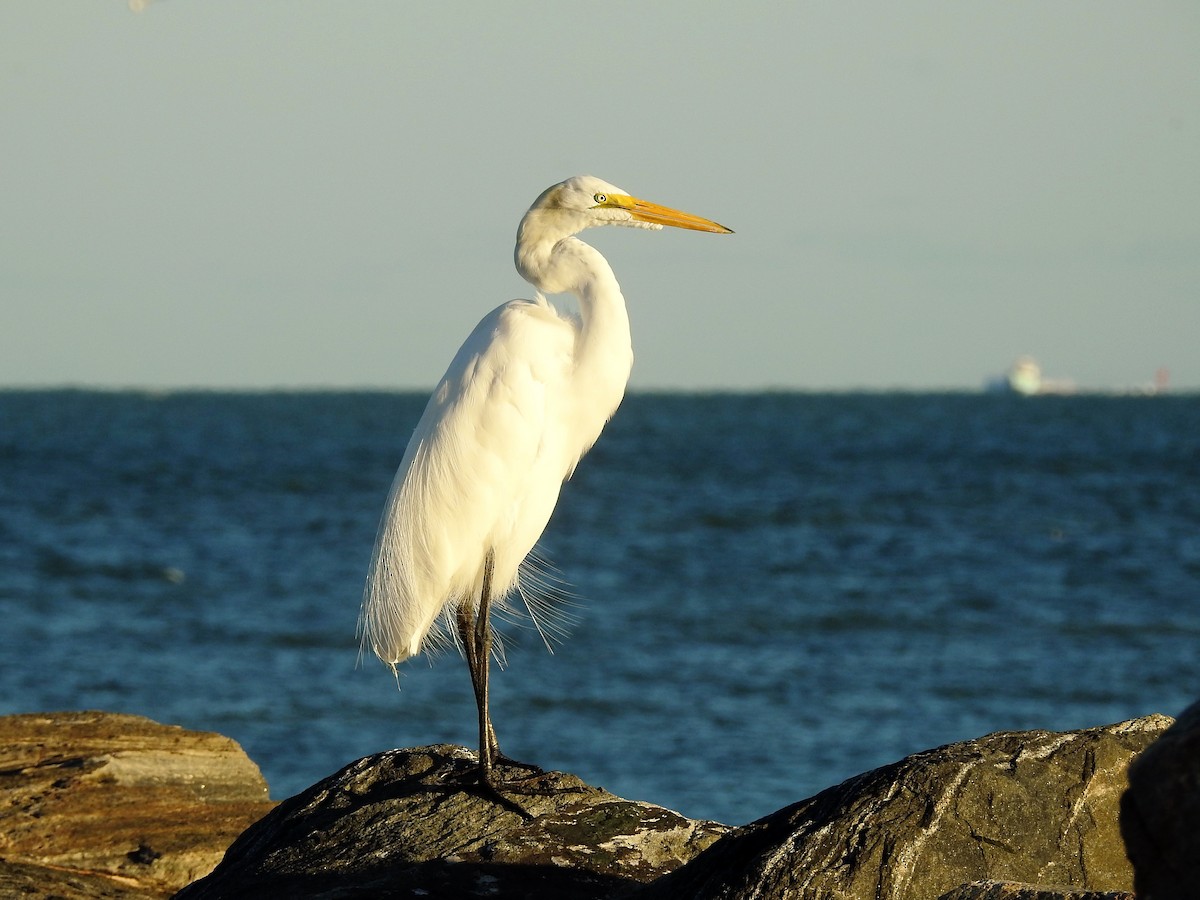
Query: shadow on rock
x=1160, y=813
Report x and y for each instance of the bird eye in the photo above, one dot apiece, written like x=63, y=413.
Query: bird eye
x=601, y=198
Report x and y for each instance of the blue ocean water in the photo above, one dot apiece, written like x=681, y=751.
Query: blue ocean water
x=775, y=591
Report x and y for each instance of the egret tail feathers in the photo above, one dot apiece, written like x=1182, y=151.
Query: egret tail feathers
x=540, y=597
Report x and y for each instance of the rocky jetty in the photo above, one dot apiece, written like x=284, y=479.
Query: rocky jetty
x=1084, y=815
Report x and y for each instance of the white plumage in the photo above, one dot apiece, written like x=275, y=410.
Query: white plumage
x=524, y=398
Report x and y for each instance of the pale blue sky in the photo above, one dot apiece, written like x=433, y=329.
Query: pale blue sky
x=294, y=193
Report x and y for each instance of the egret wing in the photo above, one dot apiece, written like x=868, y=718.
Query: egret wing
x=482, y=470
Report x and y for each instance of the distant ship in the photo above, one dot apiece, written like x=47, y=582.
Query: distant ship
x=1026, y=379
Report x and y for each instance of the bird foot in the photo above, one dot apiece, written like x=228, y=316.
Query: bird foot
x=490, y=787
x=532, y=784
x=501, y=759
x=504, y=789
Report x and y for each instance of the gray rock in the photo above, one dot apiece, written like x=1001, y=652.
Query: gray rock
x=410, y=823
x=1160, y=813
x=106, y=805
x=1033, y=807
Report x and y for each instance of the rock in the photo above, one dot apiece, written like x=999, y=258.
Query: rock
x=413, y=823
x=1160, y=813
x=1034, y=807
x=111, y=806
x=1008, y=890
x=107, y=805
x=30, y=880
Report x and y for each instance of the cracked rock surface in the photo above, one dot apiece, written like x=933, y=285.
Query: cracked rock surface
x=1020, y=807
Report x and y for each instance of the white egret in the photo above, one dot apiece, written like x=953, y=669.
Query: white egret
x=524, y=398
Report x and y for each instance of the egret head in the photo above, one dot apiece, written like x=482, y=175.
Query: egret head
x=547, y=259
x=587, y=201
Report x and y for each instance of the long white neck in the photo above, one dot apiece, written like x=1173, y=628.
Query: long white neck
x=561, y=263
x=604, y=350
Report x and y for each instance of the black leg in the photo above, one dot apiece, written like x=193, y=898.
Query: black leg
x=474, y=630
x=476, y=636
x=489, y=749
x=466, y=634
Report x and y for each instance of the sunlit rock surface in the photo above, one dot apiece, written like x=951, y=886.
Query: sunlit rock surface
x=97, y=804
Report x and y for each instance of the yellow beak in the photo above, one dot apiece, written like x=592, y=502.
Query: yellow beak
x=653, y=213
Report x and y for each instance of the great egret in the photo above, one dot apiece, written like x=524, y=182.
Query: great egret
x=524, y=398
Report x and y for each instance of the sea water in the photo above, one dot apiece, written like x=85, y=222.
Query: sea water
x=771, y=592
